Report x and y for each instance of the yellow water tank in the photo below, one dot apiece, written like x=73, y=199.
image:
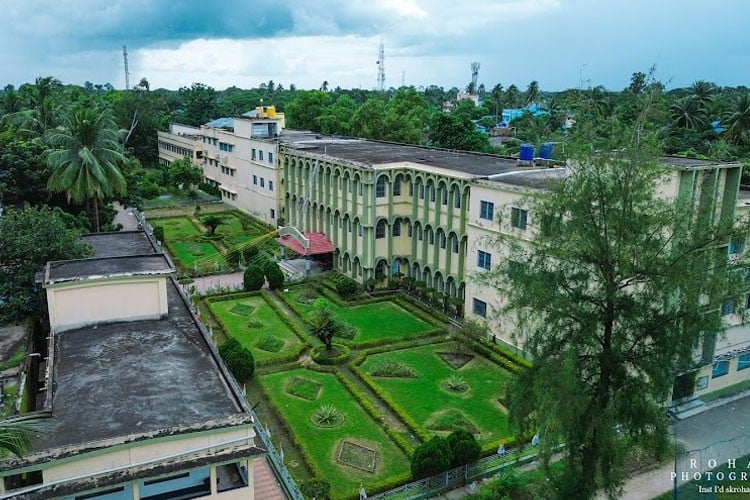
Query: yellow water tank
x=271, y=111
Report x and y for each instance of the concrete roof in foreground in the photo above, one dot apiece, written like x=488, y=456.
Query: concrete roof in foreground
x=125, y=243
x=118, y=379
x=108, y=267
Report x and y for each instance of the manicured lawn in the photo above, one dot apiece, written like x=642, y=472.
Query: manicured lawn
x=256, y=326
x=177, y=228
x=298, y=394
x=379, y=320
x=189, y=253
x=438, y=409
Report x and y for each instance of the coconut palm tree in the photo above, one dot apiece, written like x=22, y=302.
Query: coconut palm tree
x=496, y=97
x=687, y=112
x=511, y=95
x=532, y=92
x=703, y=92
x=85, y=156
x=737, y=121
x=17, y=434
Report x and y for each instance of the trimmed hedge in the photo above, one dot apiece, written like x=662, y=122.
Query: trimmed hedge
x=317, y=356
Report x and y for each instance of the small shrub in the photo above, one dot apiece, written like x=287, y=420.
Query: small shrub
x=347, y=331
x=456, y=383
x=274, y=275
x=239, y=360
x=253, y=278
x=308, y=296
x=159, y=233
x=431, y=457
x=316, y=488
x=464, y=447
x=250, y=253
x=347, y=288
x=327, y=416
x=393, y=368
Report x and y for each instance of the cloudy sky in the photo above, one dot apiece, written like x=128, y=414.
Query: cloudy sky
x=560, y=43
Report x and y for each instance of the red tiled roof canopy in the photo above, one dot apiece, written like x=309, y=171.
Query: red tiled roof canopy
x=318, y=244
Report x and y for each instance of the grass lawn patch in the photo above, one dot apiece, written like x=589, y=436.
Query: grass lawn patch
x=304, y=388
x=196, y=254
x=450, y=420
x=250, y=320
x=323, y=446
x=425, y=399
x=177, y=228
x=379, y=320
x=269, y=343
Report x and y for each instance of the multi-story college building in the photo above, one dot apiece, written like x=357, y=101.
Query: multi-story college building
x=392, y=209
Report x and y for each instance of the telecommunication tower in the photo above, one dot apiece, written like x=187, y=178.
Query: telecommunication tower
x=125, y=61
x=474, y=76
x=381, y=66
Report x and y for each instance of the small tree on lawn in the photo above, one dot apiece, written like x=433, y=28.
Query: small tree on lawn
x=253, y=278
x=324, y=326
x=431, y=457
x=212, y=222
x=274, y=275
x=464, y=447
x=471, y=331
x=239, y=359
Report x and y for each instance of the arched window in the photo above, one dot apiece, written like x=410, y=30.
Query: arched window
x=430, y=236
x=380, y=229
x=444, y=194
x=397, y=185
x=380, y=187
x=454, y=243
x=456, y=197
x=397, y=227
x=441, y=238
x=420, y=233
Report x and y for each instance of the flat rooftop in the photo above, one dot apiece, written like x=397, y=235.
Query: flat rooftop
x=370, y=154
x=125, y=243
x=118, y=379
x=107, y=267
x=538, y=178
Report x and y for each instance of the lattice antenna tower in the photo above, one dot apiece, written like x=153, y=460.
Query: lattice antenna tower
x=381, y=66
x=474, y=76
x=125, y=61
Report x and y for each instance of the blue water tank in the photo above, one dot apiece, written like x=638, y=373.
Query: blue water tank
x=526, y=153
x=545, y=151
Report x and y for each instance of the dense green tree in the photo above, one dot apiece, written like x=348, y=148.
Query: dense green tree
x=24, y=172
x=274, y=275
x=453, y=131
x=85, y=157
x=431, y=457
x=369, y=119
x=687, y=112
x=304, y=111
x=512, y=96
x=406, y=117
x=182, y=173
x=464, y=447
x=496, y=97
x=238, y=359
x=30, y=238
x=212, y=222
x=199, y=104
x=337, y=118
x=18, y=433
x=253, y=278
x=608, y=297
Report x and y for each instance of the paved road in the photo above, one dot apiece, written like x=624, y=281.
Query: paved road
x=126, y=218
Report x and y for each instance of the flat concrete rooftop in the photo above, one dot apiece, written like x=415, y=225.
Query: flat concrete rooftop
x=118, y=379
x=124, y=243
x=69, y=270
x=370, y=154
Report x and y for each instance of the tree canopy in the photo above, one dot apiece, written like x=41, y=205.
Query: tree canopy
x=608, y=295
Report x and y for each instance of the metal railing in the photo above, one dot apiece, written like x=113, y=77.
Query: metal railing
x=276, y=460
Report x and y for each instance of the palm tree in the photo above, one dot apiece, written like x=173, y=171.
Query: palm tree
x=496, y=96
x=532, y=92
x=85, y=156
x=17, y=434
x=324, y=326
x=511, y=95
x=703, y=92
x=737, y=120
x=687, y=112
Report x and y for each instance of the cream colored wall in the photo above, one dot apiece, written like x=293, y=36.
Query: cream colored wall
x=731, y=378
x=129, y=455
x=76, y=304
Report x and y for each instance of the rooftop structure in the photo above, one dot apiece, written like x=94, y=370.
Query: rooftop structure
x=134, y=389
